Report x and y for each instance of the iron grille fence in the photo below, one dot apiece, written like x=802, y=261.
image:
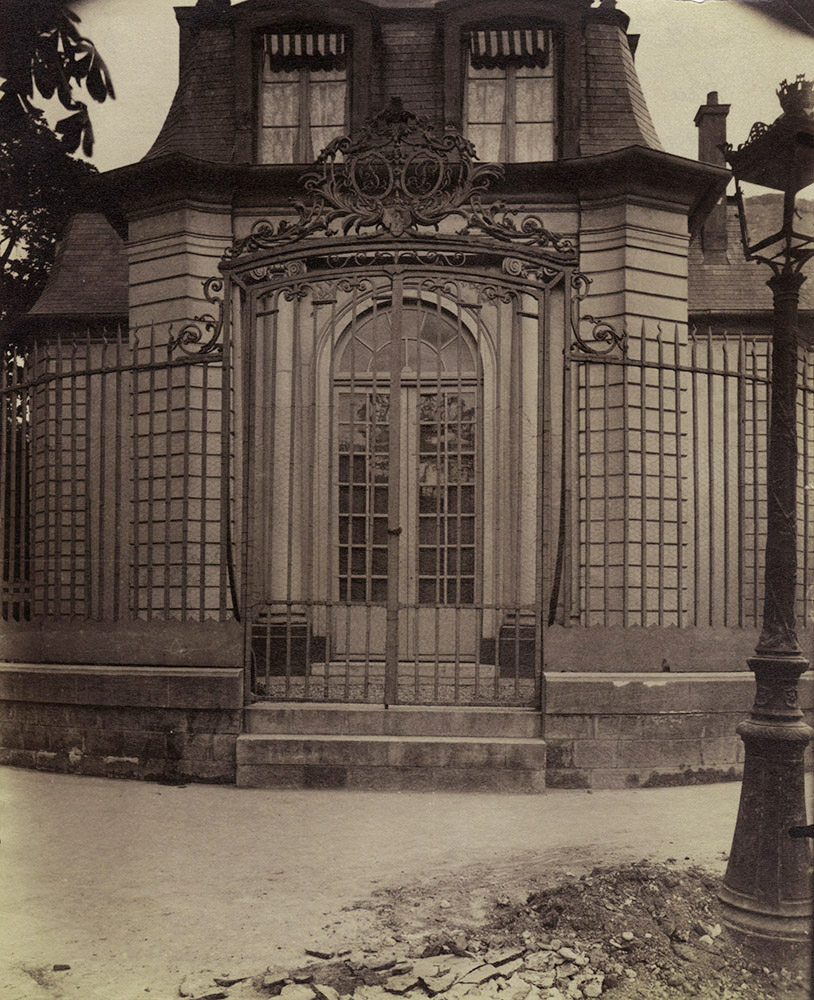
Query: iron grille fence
x=115, y=483
x=666, y=482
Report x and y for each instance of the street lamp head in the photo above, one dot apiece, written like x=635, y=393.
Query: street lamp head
x=780, y=156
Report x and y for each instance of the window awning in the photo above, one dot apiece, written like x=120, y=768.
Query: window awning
x=317, y=50
x=516, y=47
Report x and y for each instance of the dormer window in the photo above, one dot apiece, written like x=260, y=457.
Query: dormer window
x=508, y=99
x=303, y=101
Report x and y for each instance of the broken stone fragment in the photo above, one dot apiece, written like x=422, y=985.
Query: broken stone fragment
x=272, y=979
x=509, y=968
x=438, y=984
x=60, y=967
x=568, y=953
x=543, y=980
x=199, y=985
x=461, y=967
x=515, y=988
x=323, y=953
x=628, y=935
x=326, y=992
x=234, y=976
x=593, y=988
x=538, y=961
x=685, y=951
x=504, y=955
x=480, y=975
x=401, y=984
x=297, y=991
x=706, y=940
x=566, y=970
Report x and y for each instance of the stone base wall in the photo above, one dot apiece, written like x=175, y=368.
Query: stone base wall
x=627, y=730
x=152, y=723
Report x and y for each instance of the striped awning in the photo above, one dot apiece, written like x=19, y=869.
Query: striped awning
x=516, y=47
x=318, y=50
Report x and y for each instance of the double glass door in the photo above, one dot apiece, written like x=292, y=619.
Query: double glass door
x=407, y=478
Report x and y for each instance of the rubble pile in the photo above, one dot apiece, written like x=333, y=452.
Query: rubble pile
x=635, y=932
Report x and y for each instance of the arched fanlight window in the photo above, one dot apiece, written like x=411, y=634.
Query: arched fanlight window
x=432, y=345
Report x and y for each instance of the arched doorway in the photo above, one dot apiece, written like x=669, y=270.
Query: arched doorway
x=418, y=463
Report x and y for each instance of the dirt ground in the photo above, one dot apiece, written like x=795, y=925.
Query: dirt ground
x=138, y=887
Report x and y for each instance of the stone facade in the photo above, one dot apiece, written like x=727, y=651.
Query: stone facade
x=611, y=509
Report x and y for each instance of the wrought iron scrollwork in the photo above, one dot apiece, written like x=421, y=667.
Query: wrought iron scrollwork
x=400, y=176
x=201, y=335
x=517, y=225
x=291, y=269
x=541, y=273
x=603, y=338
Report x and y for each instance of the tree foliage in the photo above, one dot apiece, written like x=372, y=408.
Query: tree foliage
x=42, y=50
x=41, y=186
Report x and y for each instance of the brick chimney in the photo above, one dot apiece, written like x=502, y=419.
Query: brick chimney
x=710, y=120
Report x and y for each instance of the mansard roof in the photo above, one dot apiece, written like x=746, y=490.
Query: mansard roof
x=204, y=121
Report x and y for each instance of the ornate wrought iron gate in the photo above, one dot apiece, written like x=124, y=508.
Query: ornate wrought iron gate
x=396, y=344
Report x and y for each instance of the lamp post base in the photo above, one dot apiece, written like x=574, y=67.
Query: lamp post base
x=767, y=889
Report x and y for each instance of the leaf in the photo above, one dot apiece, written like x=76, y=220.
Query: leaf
x=87, y=137
x=71, y=128
x=96, y=84
x=46, y=77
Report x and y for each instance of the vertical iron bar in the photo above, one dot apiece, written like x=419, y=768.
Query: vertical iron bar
x=711, y=479
x=726, y=475
x=541, y=480
x=662, y=484
x=643, y=472
x=8, y=398
x=102, y=466
x=696, y=467
x=169, y=398
x=679, y=484
x=605, y=499
x=741, y=460
x=394, y=499
x=89, y=565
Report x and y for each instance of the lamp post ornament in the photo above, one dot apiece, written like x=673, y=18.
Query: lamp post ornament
x=766, y=892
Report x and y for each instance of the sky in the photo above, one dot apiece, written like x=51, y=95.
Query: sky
x=687, y=48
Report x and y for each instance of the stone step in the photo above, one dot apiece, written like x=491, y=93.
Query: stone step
x=293, y=719
x=395, y=763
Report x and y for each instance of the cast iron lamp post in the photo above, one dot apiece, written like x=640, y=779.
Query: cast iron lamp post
x=766, y=892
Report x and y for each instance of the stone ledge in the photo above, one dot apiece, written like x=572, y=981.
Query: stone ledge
x=642, y=694
x=637, y=648
x=214, y=688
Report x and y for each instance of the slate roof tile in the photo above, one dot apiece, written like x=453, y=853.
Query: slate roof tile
x=90, y=275
x=614, y=112
x=739, y=285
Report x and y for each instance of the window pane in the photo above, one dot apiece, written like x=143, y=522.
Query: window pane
x=320, y=137
x=534, y=100
x=281, y=104
x=328, y=103
x=277, y=145
x=486, y=139
x=486, y=100
x=534, y=142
